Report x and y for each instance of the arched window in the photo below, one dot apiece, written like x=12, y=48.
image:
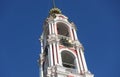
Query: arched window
x=63, y=29
x=68, y=59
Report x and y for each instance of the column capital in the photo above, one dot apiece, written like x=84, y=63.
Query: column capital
x=52, y=38
x=73, y=25
x=77, y=44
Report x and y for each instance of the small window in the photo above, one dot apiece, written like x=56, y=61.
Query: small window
x=68, y=59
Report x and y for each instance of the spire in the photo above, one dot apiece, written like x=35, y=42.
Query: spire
x=53, y=3
x=54, y=10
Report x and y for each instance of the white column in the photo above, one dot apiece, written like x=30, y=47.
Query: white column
x=80, y=62
x=77, y=63
x=71, y=33
x=55, y=56
x=41, y=46
x=53, y=31
x=59, y=54
x=49, y=28
x=83, y=59
x=75, y=34
x=41, y=65
x=51, y=54
x=41, y=71
x=55, y=28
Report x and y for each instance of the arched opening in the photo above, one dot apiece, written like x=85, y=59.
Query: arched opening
x=68, y=59
x=63, y=29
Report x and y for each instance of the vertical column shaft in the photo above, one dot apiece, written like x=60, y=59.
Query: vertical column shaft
x=50, y=29
x=51, y=54
x=80, y=62
x=53, y=31
x=55, y=27
x=41, y=64
x=71, y=33
x=54, y=50
x=78, y=67
x=41, y=71
x=41, y=46
x=84, y=62
x=75, y=34
x=59, y=58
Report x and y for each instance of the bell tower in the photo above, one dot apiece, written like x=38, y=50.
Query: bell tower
x=62, y=54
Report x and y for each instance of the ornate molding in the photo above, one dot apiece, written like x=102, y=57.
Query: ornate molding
x=52, y=38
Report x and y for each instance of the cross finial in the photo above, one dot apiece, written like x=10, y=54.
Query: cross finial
x=54, y=10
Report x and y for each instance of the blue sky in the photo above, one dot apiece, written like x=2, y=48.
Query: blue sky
x=98, y=28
